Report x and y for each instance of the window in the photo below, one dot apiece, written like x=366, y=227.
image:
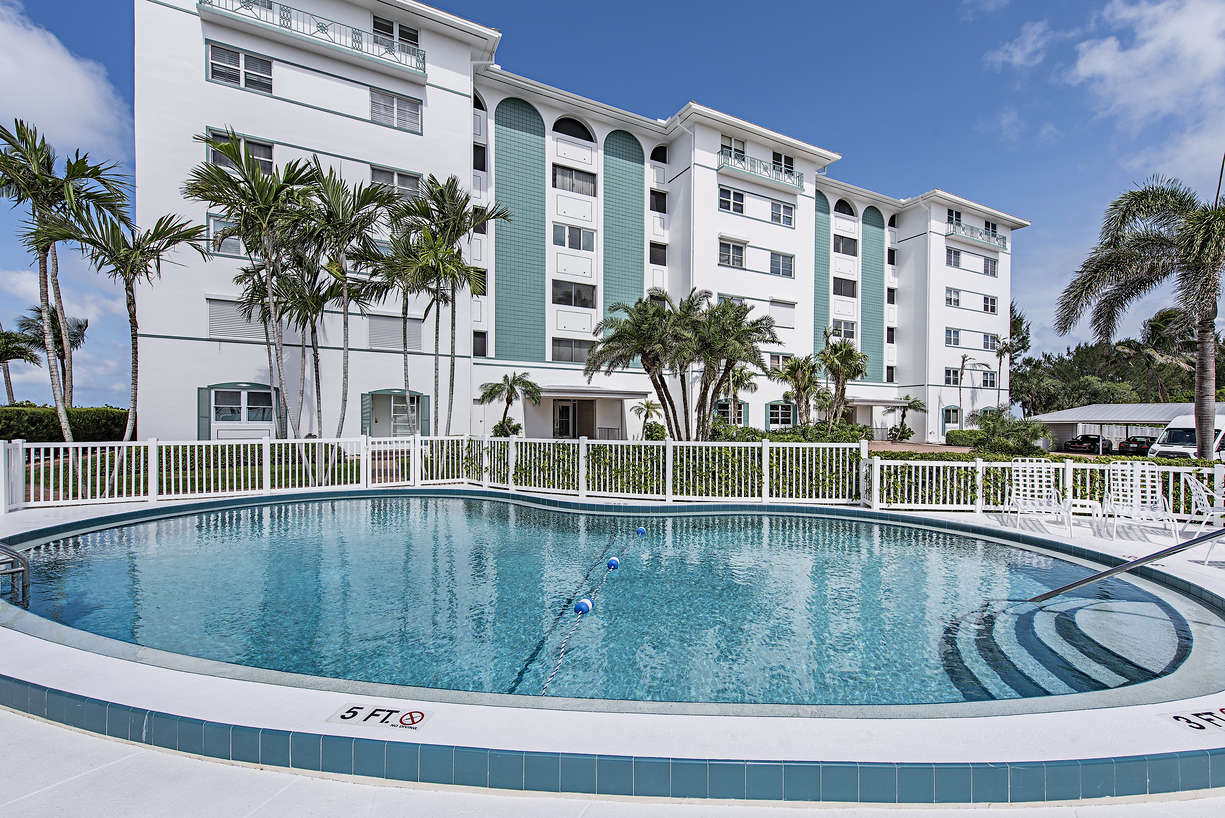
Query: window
x=724, y=410
x=731, y=200
x=952, y=257
x=952, y=416
x=229, y=406
x=478, y=104
x=261, y=152
x=844, y=207
x=480, y=344
x=783, y=163
x=398, y=112
x=482, y=227
x=231, y=246
x=991, y=341
x=478, y=157
x=731, y=255
x=952, y=377
x=990, y=304
x=570, y=350
x=990, y=266
x=390, y=332
x=952, y=298
x=891, y=374
x=733, y=148
x=844, y=287
x=778, y=359
x=659, y=254
x=782, y=213
x=845, y=245
x=952, y=337
x=571, y=294
x=659, y=201
x=890, y=295
x=988, y=380
x=992, y=228
x=844, y=330
x=576, y=238
x=891, y=256
x=406, y=184
x=782, y=265
x=223, y=66
x=571, y=127
x=735, y=299
x=893, y=220
x=574, y=181
x=890, y=335
x=780, y=414
x=954, y=216
x=783, y=313
x=660, y=154
x=385, y=32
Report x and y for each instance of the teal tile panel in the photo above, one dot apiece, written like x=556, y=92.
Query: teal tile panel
x=624, y=220
x=519, y=270
x=821, y=286
x=872, y=294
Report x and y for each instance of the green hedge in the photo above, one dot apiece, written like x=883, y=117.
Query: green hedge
x=40, y=424
x=964, y=437
x=1057, y=457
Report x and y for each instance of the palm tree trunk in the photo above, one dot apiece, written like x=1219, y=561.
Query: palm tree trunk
x=130, y=295
x=318, y=386
x=684, y=373
x=506, y=411
x=8, y=379
x=278, y=336
x=669, y=405
x=62, y=316
x=960, y=411
x=276, y=416
x=301, y=377
x=437, y=361
x=1205, y=384
x=451, y=377
x=344, y=355
x=404, y=344
x=53, y=360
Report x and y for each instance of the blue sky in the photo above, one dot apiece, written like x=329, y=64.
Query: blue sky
x=1043, y=109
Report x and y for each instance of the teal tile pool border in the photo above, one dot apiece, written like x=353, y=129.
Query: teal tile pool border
x=731, y=779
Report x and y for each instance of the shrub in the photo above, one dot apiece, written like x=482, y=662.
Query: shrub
x=900, y=433
x=40, y=424
x=723, y=432
x=506, y=428
x=653, y=430
x=964, y=437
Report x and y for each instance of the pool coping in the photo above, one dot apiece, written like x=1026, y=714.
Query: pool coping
x=868, y=782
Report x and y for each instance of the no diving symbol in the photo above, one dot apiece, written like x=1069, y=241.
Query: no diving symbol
x=370, y=715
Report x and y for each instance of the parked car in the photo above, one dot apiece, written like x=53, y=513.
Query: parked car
x=1178, y=439
x=1089, y=444
x=1137, y=445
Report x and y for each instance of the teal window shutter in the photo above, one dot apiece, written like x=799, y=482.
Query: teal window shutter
x=367, y=412
x=424, y=425
x=204, y=414
x=744, y=413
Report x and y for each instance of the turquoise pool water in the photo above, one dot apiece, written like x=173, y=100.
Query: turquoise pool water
x=477, y=595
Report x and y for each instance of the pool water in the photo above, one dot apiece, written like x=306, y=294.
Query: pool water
x=477, y=595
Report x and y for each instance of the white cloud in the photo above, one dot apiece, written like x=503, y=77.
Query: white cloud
x=69, y=98
x=1048, y=133
x=1025, y=51
x=971, y=7
x=1008, y=124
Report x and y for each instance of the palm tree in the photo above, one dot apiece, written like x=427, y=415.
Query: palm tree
x=16, y=346
x=647, y=410
x=129, y=256
x=512, y=387
x=266, y=211
x=446, y=210
x=803, y=376
x=32, y=326
x=911, y=405
x=305, y=293
x=726, y=337
x=1152, y=234
x=1166, y=339
x=966, y=363
x=842, y=362
x=28, y=176
x=742, y=379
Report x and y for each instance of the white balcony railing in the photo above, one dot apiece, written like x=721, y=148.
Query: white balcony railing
x=767, y=170
x=976, y=233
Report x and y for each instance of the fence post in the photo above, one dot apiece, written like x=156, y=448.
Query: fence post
x=414, y=460
x=1218, y=486
x=6, y=472
x=765, y=470
x=155, y=470
x=1068, y=475
x=511, y=451
x=582, y=466
x=874, y=489
x=486, y=461
x=668, y=470
x=365, y=461
x=267, y=465
x=862, y=472
x=978, y=485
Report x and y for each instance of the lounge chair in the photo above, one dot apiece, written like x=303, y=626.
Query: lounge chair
x=1206, y=504
x=1034, y=489
x=1134, y=492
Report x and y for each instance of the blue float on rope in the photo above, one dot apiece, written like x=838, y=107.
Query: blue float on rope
x=583, y=606
x=642, y=532
x=613, y=563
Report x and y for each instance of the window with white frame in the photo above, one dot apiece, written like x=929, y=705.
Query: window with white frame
x=890, y=295
x=735, y=299
x=408, y=185
x=891, y=374
x=658, y=254
x=988, y=380
x=239, y=68
x=575, y=238
x=659, y=201
x=891, y=256
x=890, y=335
x=731, y=200
x=952, y=416
x=991, y=228
x=724, y=409
x=733, y=147
x=783, y=163
x=845, y=287
x=952, y=257
x=783, y=214
x=777, y=359
x=781, y=414
x=991, y=341
x=954, y=216
x=261, y=152
x=398, y=112
x=229, y=246
x=242, y=405
x=846, y=245
x=573, y=294
x=990, y=304
x=731, y=254
x=952, y=377
x=389, y=34
x=782, y=265
x=990, y=267
x=570, y=350
x=952, y=298
x=844, y=330
x=573, y=180
x=952, y=337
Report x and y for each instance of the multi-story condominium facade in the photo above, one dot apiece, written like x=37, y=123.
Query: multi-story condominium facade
x=605, y=204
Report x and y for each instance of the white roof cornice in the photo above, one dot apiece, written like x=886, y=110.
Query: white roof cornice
x=821, y=156
x=944, y=197
x=484, y=38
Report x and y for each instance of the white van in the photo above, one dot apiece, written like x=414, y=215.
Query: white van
x=1178, y=438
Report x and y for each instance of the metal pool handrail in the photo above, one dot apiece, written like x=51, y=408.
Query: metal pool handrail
x=1127, y=566
x=14, y=563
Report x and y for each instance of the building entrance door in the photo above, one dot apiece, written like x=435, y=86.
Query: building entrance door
x=573, y=419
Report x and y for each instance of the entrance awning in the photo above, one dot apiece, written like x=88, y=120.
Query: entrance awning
x=877, y=402
x=590, y=392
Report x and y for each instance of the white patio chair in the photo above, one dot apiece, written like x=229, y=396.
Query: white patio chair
x=1134, y=492
x=1034, y=489
x=1204, y=503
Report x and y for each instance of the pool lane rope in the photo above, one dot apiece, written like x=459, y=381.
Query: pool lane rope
x=584, y=606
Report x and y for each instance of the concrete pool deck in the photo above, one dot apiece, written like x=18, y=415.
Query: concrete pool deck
x=1104, y=732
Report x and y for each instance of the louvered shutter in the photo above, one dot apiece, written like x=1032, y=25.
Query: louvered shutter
x=367, y=412
x=382, y=108
x=424, y=403
x=225, y=321
x=385, y=333
x=204, y=414
x=408, y=114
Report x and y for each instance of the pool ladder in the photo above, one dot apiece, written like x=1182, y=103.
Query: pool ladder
x=14, y=564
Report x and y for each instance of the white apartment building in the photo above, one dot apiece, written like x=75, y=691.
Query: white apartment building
x=605, y=204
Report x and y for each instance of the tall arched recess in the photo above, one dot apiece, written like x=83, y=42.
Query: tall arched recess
x=519, y=254
x=624, y=219
x=872, y=293
x=824, y=246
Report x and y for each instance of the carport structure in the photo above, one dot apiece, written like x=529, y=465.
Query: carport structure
x=1113, y=421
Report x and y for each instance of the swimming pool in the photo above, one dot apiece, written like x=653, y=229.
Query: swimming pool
x=477, y=595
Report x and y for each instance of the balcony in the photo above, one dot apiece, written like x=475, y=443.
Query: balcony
x=975, y=234
x=303, y=26
x=777, y=175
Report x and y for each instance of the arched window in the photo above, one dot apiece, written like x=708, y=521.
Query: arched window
x=844, y=207
x=660, y=154
x=478, y=104
x=893, y=220
x=574, y=128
